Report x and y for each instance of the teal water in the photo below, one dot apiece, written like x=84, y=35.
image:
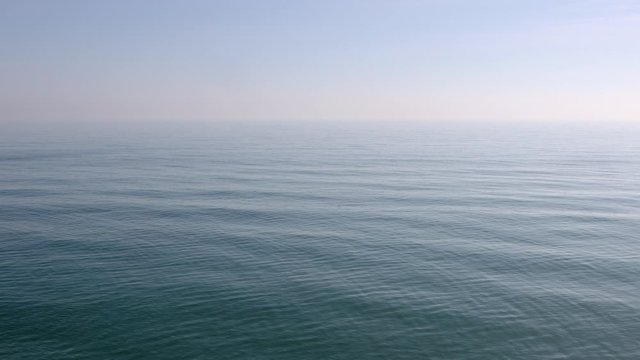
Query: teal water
x=320, y=242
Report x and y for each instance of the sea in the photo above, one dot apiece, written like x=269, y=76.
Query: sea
x=311, y=240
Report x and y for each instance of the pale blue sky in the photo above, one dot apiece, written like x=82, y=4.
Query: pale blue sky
x=298, y=60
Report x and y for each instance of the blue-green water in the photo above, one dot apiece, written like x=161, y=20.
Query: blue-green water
x=320, y=242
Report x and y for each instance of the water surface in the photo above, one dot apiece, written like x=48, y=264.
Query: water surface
x=277, y=241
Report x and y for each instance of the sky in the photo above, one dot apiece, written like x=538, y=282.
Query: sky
x=393, y=60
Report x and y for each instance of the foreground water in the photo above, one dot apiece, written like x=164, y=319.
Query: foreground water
x=320, y=242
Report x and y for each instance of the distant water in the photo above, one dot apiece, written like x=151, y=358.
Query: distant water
x=320, y=242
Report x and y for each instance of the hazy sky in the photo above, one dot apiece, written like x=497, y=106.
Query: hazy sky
x=322, y=59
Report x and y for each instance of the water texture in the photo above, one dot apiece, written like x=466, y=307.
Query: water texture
x=320, y=242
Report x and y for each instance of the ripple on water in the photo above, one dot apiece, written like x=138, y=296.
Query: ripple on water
x=378, y=245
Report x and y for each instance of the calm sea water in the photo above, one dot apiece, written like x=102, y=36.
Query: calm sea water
x=320, y=242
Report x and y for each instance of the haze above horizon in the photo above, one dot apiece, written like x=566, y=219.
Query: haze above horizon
x=363, y=60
